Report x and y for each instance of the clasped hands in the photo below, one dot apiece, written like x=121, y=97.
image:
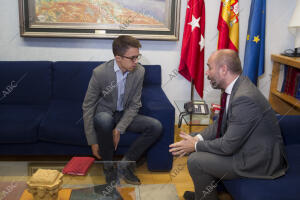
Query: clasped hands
x=185, y=146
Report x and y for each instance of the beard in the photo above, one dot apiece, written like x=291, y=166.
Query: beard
x=214, y=83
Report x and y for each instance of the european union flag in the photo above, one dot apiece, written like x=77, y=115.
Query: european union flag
x=255, y=46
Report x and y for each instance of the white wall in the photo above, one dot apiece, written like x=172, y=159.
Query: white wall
x=165, y=53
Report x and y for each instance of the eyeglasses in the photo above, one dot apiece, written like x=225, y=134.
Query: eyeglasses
x=133, y=58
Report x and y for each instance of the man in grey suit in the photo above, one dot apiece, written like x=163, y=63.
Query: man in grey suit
x=111, y=106
x=245, y=140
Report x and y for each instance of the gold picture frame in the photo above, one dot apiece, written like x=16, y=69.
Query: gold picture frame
x=143, y=19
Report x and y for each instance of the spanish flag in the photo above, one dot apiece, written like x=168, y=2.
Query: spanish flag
x=228, y=25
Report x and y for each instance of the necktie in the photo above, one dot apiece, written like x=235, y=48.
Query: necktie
x=223, y=107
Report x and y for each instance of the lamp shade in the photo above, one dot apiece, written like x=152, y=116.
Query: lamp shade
x=294, y=25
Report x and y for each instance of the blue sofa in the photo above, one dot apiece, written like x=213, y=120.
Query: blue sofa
x=282, y=188
x=40, y=110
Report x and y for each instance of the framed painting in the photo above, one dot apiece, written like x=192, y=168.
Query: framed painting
x=143, y=19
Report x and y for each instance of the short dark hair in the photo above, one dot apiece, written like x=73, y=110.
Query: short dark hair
x=231, y=59
x=124, y=42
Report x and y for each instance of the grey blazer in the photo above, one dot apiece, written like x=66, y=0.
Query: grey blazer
x=250, y=133
x=102, y=94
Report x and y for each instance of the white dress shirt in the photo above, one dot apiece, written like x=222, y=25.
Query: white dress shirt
x=121, y=82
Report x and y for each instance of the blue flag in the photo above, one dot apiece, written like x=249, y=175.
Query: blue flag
x=255, y=46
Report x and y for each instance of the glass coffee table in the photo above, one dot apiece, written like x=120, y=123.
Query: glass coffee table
x=15, y=174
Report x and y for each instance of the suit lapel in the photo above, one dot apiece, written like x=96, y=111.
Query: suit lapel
x=224, y=123
x=234, y=89
x=129, y=83
x=112, y=83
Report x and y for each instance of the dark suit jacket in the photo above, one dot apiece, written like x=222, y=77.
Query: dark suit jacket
x=102, y=94
x=250, y=133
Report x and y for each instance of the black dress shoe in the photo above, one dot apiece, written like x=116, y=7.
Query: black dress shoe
x=188, y=195
x=111, y=175
x=127, y=174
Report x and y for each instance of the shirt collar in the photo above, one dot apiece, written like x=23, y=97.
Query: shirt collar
x=117, y=68
x=228, y=90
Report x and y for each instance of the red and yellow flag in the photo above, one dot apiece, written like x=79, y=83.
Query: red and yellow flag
x=228, y=25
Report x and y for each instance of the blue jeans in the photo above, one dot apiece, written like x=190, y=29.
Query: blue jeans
x=149, y=128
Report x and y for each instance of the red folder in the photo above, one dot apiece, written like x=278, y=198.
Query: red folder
x=78, y=165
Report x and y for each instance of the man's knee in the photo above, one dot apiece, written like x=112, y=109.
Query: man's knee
x=103, y=120
x=194, y=162
x=156, y=127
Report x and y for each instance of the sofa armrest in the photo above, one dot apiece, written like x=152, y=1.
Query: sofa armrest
x=157, y=105
x=290, y=126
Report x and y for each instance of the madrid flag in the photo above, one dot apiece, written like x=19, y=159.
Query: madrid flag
x=192, y=52
x=228, y=25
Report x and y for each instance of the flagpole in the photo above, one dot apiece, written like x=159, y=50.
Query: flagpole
x=192, y=90
x=192, y=99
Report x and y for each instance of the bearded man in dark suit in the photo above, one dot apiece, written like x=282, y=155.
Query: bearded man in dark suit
x=244, y=141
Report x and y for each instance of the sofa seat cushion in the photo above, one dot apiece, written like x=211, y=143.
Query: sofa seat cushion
x=284, y=187
x=20, y=123
x=63, y=124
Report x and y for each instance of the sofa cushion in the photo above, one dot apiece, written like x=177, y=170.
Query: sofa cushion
x=25, y=82
x=155, y=93
x=63, y=124
x=152, y=75
x=20, y=123
x=71, y=79
x=156, y=104
x=290, y=126
x=285, y=187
